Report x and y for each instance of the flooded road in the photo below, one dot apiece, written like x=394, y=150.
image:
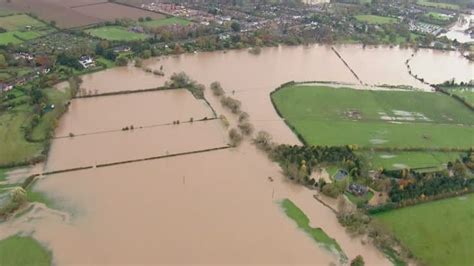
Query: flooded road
x=216, y=207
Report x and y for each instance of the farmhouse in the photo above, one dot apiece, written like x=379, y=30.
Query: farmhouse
x=86, y=61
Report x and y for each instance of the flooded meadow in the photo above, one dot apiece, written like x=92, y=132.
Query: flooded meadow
x=215, y=207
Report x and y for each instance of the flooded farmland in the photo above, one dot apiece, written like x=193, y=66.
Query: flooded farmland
x=99, y=114
x=155, y=211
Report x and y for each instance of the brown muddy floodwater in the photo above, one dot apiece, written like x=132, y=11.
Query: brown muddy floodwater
x=216, y=207
x=439, y=66
x=120, y=79
x=140, y=143
x=97, y=114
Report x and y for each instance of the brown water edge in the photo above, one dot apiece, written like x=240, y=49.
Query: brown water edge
x=142, y=109
x=215, y=207
x=118, y=146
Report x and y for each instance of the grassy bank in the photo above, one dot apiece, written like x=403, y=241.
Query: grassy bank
x=316, y=233
x=343, y=116
x=18, y=250
x=448, y=237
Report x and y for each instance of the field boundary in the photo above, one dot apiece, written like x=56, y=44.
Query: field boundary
x=31, y=178
x=347, y=65
x=137, y=128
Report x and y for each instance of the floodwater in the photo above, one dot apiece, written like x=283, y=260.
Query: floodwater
x=211, y=208
x=457, y=31
x=439, y=66
x=140, y=143
x=120, y=79
x=98, y=114
x=215, y=207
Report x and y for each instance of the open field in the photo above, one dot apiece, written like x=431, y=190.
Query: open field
x=467, y=93
x=17, y=32
x=437, y=4
x=372, y=19
x=71, y=13
x=15, y=148
x=18, y=250
x=111, y=11
x=437, y=16
x=166, y=22
x=412, y=160
x=323, y=116
x=439, y=233
x=116, y=33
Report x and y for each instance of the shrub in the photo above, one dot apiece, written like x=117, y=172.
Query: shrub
x=246, y=128
x=232, y=104
x=235, y=137
x=216, y=89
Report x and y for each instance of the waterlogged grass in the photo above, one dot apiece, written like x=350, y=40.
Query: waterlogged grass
x=467, y=93
x=372, y=19
x=341, y=116
x=412, y=160
x=316, y=233
x=438, y=233
x=116, y=33
x=17, y=250
x=166, y=22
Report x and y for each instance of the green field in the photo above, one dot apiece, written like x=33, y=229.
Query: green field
x=439, y=233
x=467, y=93
x=316, y=233
x=342, y=116
x=437, y=5
x=437, y=16
x=17, y=32
x=372, y=19
x=15, y=148
x=116, y=33
x=166, y=22
x=18, y=250
x=412, y=160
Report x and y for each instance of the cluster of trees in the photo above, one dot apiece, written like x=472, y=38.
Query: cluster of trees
x=422, y=186
x=182, y=80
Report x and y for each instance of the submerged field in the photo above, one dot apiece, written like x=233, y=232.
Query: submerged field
x=448, y=237
x=343, y=116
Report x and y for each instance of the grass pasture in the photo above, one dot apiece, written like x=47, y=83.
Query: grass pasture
x=16, y=29
x=439, y=233
x=116, y=33
x=411, y=160
x=17, y=250
x=166, y=22
x=440, y=5
x=343, y=116
x=467, y=93
x=372, y=19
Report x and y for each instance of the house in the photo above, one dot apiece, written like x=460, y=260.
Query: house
x=122, y=49
x=358, y=190
x=86, y=61
x=22, y=55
